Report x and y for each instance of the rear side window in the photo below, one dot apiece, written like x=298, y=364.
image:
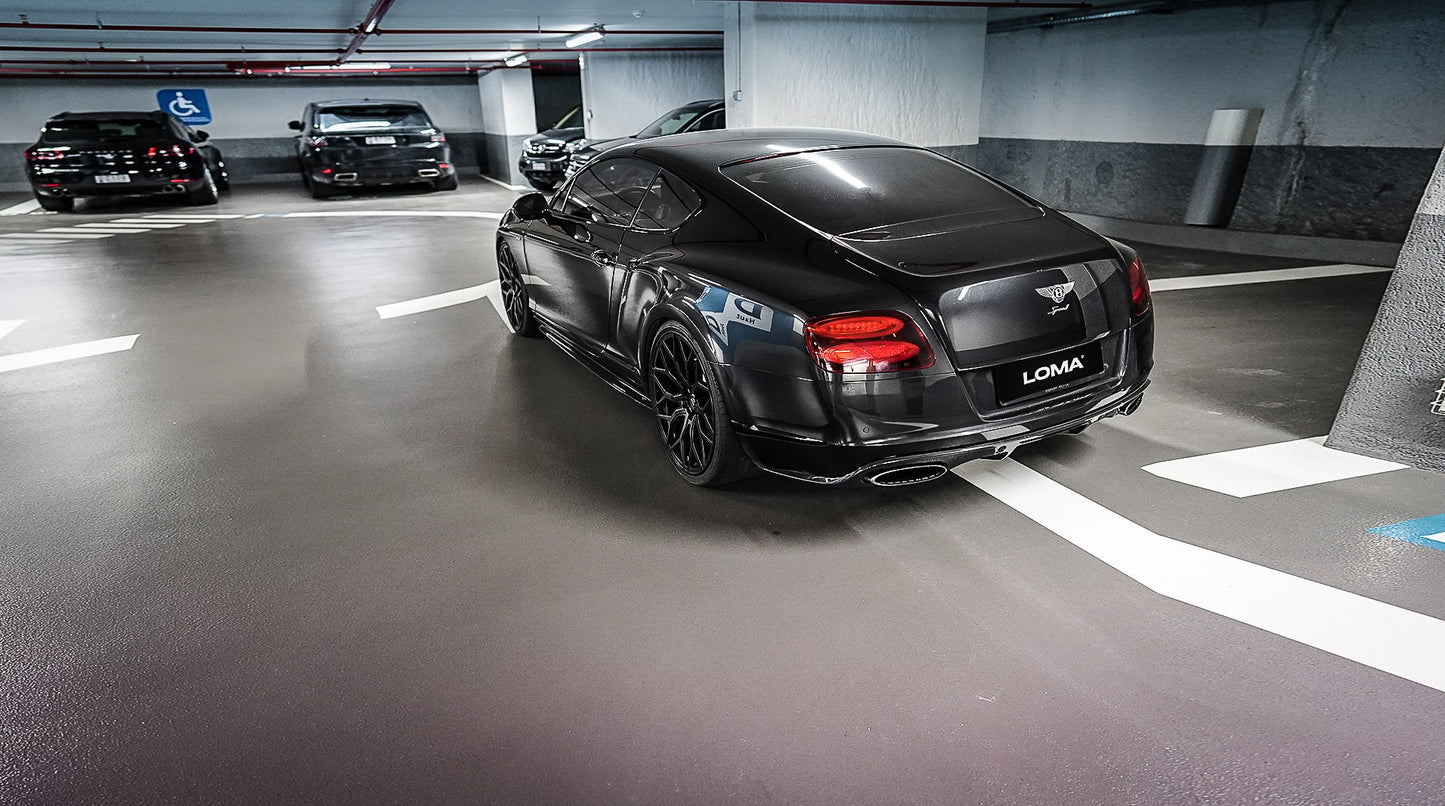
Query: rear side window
x=356, y=118
x=668, y=203
x=609, y=193
x=102, y=131
x=712, y=121
x=847, y=190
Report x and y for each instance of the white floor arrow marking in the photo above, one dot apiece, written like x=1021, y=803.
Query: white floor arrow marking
x=1383, y=636
x=432, y=302
x=22, y=208
x=1270, y=468
x=53, y=355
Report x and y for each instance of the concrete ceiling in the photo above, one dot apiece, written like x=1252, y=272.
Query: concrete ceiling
x=130, y=38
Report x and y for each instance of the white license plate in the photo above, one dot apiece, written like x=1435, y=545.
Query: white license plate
x=112, y=179
x=381, y=140
x=539, y=166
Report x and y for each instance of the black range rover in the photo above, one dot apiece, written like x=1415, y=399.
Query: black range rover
x=82, y=154
x=357, y=143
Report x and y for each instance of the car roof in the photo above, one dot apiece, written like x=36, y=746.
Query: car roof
x=153, y=113
x=364, y=102
x=708, y=151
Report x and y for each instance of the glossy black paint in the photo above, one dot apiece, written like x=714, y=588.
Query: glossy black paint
x=399, y=151
x=743, y=277
x=84, y=154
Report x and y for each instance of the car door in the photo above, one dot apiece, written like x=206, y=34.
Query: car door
x=668, y=203
x=575, y=252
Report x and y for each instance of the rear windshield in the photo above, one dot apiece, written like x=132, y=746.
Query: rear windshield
x=571, y=120
x=845, y=191
x=103, y=131
x=356, y=118
x=672, y=122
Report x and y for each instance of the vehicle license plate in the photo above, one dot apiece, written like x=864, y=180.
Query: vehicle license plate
x=380, y=140
x=1023, y=378
x=539, y=166
x=111, y=179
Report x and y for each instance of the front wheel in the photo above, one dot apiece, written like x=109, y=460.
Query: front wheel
x=56, y=204
x=691, y=416
x=514, y=294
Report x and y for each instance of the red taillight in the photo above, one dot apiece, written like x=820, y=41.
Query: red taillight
x=438, y=138
x=1139, y=299
x=170, y=151
x=444, y=165
x=867, y=342
x=325, y=171
x=44, y=155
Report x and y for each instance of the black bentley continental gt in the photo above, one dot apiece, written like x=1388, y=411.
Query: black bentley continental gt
x=828, y=305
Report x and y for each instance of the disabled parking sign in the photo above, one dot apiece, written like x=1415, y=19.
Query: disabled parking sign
x=187, y=106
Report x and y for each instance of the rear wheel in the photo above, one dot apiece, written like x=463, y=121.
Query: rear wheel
x=541, y=184
x=447, y=183
x=319, y=190
x=56, y=204
x=207, y=193
x=514, y=294
x=691, y=416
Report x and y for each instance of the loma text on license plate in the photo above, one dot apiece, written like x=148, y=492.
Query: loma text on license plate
x=381, y=140
x=1023, y=378
x=111, y=179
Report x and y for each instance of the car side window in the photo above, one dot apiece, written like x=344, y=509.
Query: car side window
x=608, y=193
x=712, y=121
x=668, y=203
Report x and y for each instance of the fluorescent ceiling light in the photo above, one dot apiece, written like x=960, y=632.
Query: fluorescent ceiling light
x=348, y=66
x=585, y=37
x=515, y=60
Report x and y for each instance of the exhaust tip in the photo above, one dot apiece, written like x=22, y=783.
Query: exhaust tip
x=346, y=177
x=901, y=476
x=428, y=173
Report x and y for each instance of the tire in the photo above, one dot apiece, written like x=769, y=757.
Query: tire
x=207, y=193
x=318, y=190
x=447, y=183
x=543, y=185
x=56, y=204
x=515, y=299
x=691, y=416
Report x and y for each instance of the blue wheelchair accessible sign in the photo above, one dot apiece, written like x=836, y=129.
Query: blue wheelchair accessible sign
x=187, y=106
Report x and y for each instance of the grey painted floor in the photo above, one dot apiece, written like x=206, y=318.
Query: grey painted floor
x=283, y=551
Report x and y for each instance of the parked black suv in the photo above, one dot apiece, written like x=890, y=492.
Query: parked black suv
x=357, y=143
x=698, y=116
x=544, y=154
x=83, y=154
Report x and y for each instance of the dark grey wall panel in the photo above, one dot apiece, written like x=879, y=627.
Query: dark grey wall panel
x=1139, y=181
x=1337, y=192
x=1387, y=411
x=555, y=95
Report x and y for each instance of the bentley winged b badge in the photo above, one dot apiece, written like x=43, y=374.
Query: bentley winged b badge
x=1056, y=292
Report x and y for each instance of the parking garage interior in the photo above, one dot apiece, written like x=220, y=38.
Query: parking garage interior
x=289, y=515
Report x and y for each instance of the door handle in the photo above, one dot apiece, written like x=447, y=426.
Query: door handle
x=603, y=259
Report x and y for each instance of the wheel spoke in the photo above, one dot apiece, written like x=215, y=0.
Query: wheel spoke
x=682, y=400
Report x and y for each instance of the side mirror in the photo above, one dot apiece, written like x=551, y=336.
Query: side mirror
x=202, y=135
x=531, y=207
x=295, y=125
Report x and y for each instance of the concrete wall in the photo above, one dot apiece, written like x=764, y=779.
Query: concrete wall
x=1108, y=117
x=907, y=72
x=249, y=115
x=623, y=92
x=1395, y=405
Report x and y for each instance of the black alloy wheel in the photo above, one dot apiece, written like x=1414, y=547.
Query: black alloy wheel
x=514, y=294
x=544, y=185
x=691, y=416
x=207, y=193
x=56, y=204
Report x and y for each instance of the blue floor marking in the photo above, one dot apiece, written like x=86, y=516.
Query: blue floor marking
x=1419, y=531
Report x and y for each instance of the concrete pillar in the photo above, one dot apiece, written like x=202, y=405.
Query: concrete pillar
x=909, y=72
x=1395, y=406
x=622, y=92
x=1221, y=169
x=509, y=116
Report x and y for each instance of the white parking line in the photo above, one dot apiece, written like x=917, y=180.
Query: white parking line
x=78, y=231
x=1383, y=636
x=514, y=188
x=7, y=325
x=69, y=352
x=195, y=216
x=75, y=235
x=1270, y=468
x=395, y=213
x=144, y=223
x=433, y=302
x=1271, y=276
x=41, y=240
x=23, y=208
x=118, y=227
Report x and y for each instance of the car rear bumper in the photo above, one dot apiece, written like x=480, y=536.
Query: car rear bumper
x=389, y=173
x=543, y=167
x=823, y=463
x=80, y=186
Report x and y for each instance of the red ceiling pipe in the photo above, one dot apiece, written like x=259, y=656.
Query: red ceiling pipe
x=938, y=4
x=225, y=29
